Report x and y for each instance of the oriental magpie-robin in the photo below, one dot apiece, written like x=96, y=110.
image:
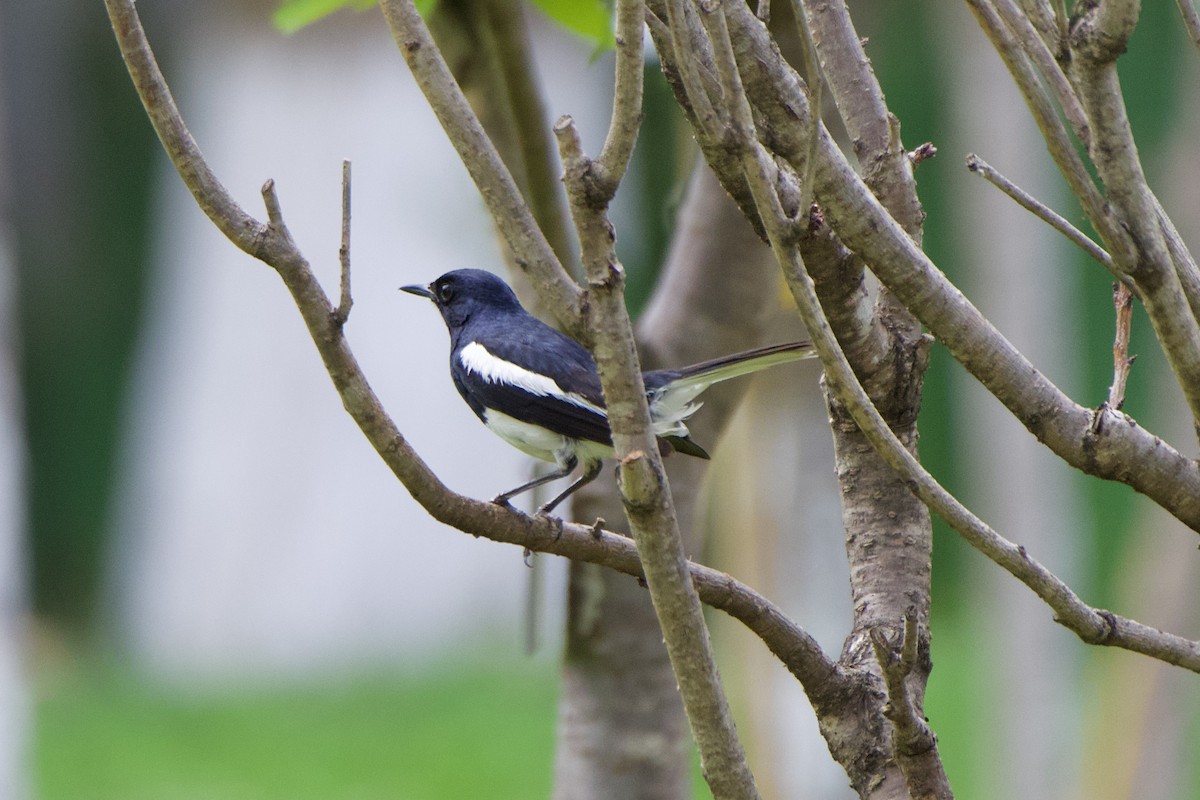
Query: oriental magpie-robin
x=538, y=389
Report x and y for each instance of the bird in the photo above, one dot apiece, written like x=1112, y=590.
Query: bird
x=538, y=389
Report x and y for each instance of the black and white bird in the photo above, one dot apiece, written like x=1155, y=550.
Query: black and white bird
x=538, y=388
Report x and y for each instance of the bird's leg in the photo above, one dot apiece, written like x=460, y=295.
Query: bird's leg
x=564, y=469
x=590, y=470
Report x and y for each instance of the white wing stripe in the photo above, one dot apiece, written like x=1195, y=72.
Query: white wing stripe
x=493, y=369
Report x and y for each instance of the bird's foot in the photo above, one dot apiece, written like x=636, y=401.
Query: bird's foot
x=502, y=500
x=557, y=522
x=598, y=527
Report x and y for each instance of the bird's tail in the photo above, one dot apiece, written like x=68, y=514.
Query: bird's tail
x=672, y=398
x=715, y=370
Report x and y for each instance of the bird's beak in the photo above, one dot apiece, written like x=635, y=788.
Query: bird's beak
x=420, y=291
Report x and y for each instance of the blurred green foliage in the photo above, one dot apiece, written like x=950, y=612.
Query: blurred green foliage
x=455, y=731
x=591, y=20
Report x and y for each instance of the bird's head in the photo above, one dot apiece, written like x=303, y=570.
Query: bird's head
x=464, y=293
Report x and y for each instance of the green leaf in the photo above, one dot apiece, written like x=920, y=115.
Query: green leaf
x=591, y=20
x=292, y=15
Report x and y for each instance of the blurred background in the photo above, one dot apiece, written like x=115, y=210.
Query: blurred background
x=211, y=586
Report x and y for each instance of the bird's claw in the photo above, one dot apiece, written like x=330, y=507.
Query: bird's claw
x=555, y=521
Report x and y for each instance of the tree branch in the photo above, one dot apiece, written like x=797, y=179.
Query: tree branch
x=1121, y=450
x=627, y=98
x=643, y=484
x=916, y=745
x=502, y=25
x=1046, y=214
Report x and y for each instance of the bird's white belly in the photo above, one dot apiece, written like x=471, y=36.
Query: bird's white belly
x=540, y=442
x=526, y=437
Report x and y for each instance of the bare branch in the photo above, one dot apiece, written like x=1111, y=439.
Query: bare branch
x=1185, y=262
x=1046, y=214
x=643, y=485
x=814, y=79
x=626, y=119
x=508, y=208
x=345, y=302
x=502, y=27
x=897, y=660
x=1122, y=450
x=859, y=97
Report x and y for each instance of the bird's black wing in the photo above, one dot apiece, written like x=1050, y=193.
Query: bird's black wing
x=533, y=373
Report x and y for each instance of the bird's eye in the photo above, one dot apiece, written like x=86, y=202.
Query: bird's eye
x=445, y=293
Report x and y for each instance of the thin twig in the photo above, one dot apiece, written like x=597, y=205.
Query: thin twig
x=626, y=119
x=1046, y=214
x=713, y=19
x=1063, y=19
x=858, y=95
x=345, y=302
x=1191, y=20
x=1122, y=361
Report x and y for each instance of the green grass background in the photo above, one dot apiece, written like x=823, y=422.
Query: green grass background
x=477, y=730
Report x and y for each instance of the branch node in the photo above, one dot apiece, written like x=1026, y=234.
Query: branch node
x=271, y=201
x=1122, y=361
x=923, y=152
